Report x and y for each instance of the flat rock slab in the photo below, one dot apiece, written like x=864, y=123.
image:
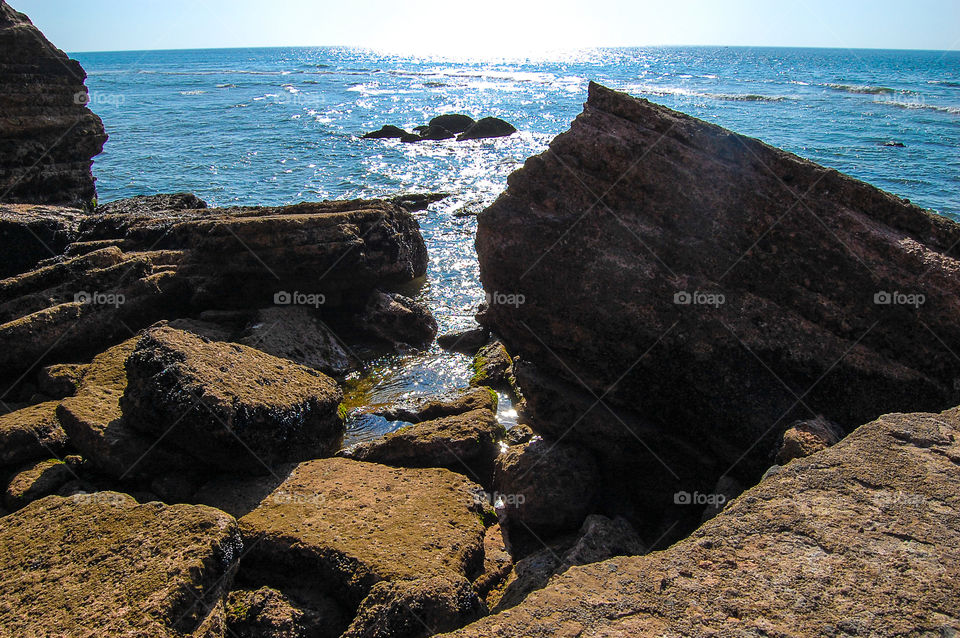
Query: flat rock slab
x=230, y=406
x=862, y=538
x=102, y=565
x=343, y=525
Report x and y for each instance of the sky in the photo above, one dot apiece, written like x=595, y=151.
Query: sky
x=493, y=27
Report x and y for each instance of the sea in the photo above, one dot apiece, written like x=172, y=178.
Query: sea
x=283, y=125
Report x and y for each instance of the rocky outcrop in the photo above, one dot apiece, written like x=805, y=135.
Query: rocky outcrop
x=485, y=128
x=719, y=290
x=388, y=131
x=859, y=539
x=229, y=406
x=48, y=136
x=100, y=564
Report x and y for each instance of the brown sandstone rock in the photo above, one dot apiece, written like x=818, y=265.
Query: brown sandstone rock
x=100, y=564
x=30, y=434
x=862, y=538
x=36, y=481
x=806, y=437
x=268, y=613
x=48, y=135
x=492, y=367
x=397, y=319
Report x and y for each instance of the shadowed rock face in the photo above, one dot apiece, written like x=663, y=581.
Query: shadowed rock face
x=859, y=539
x=48, y=136
x=717, y=291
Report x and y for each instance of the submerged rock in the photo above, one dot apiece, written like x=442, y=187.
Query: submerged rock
x=487, y=127
x=816, y=549
x=719, y=290
x=100, y=564
x=453, y=122
x=449, y=404
x=50, y=136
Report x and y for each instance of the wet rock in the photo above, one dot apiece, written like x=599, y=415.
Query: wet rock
x=449, y=404
x=338, y=526
x=50, y=136
x=453, y=122
x=410, y=138
x=30, y=434
x=465, y=443
x=31, y=234
x=519, y=434
x=464, y=341
x=492, y=367
x=146, y=204
x=101, y=564
x=413, y=202
x=544, y=488
x=876, y=513
x=416, y=608
x=894, y=144
x=434, y=132
x=268, y=613
x=60, y=380
x=487, y=127
x=227, y=405
x=385, y=132
x=803, y=438
x=295, y=333
x=397, y=319
x=701, y=382
x=36, y=481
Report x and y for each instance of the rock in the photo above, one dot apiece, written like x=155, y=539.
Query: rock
x=680, y=392
x=60, y=380
x=723, y=493
x=397, y=319
x=434, y=132
x=31, y=234
x=602, y=538
x=268, y=613
x=338, y=527
x=835, y=533
x=544, y=488
x=528, y=575
x=30, y=434
x=497, y=564
x=487, y=127
x=803, y=438
x=293, y=332
x=146, y=204
x=36, y=481
x=128, y=270
x=465, y=443
x=449, y=404
x=416, y=608
x=464, y=341
x=50, y=136
x=519, y=434
x=388, y=131
x=454, y=122
x=413, y=202
x=492, y=367
x=229, y=406
x=894, y=144
x=409, y=138
x=100, y=564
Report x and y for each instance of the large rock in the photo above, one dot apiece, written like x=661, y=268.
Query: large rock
x=100, y=564
x=453, y=122
x=30, y=434
x=718, y=291
x=340, y=526
x=487, y=127
x=396, y=318
x=858, y=539
x=36, y=481
x=229, y=406
x=48, y=136
x=31, y=234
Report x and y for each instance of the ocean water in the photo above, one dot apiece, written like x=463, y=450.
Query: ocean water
x=277, y=126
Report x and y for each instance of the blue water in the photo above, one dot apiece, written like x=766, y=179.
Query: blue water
x=275, y=126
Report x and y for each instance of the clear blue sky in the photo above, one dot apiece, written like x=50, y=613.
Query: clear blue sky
x=493, y=26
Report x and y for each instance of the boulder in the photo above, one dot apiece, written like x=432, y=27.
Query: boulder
x=719, y=290
x=30, y=434
x=100, y=564
x=803, y=438
x=487, y=127
x=385, y=132
x=453, y=122
x=519, y=434
x=229, y=406
x=49, y=136
x=434, y=132
x=31, y=234
x=492, y=367
x=543, y=488
x=60, y=380
x=338, y=527
x=268, y=613
x=449, y=404
x=395, y=318
x=416, y=608
x=36, y=481
x=413, y=202
x=295, y=333
x=464, y=341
